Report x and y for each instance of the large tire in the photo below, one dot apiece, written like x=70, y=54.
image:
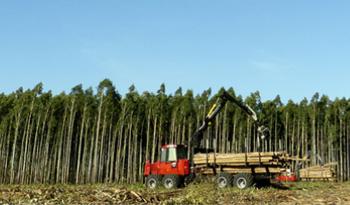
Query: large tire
x=224, y=180
x=171, y=181
x=153, y=181
x=243, y=181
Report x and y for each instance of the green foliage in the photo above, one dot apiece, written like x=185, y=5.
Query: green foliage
x=100, y=136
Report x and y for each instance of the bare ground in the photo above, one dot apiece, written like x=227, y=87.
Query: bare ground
x=201, y=193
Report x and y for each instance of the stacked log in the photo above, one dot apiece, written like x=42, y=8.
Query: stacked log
x=252, y=162
x=318, y=173
x=236, y=170
x=239, y=159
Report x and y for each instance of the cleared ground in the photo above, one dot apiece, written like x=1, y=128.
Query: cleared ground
x=200, y=193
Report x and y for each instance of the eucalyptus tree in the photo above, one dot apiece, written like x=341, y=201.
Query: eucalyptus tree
x=88, y=137
x=6, y=131
x=201, y=107
x=229, y=125
x=321, y=141
x=82, y=104
x=254, y=101
x=313, y=116
x=107, y=98
x=38, y=154
x=277, y=130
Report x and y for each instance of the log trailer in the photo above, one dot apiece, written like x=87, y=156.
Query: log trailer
x=174, y=168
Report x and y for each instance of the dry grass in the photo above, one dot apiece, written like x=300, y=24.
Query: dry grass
x=201, y=193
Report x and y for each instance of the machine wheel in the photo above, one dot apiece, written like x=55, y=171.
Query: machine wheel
x=153, y=181
x=224, y=180
x=171, y=181
x=243, y=181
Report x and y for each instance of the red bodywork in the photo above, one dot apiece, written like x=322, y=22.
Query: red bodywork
x=287, y=178
x=179, y=167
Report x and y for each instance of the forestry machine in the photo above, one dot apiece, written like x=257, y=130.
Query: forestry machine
x=174, y=168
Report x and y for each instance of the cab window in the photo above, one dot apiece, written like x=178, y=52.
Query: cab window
x=171, y=154
x=168, y=154
x=163, y=155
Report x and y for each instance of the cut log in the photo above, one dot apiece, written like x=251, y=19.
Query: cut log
x=241, y=158
x=236, y=170
x=318, y=173
x=252, y=162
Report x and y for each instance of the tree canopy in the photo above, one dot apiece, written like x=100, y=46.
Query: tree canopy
x=90, y=135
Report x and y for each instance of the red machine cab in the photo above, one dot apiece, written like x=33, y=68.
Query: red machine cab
x=170, y=170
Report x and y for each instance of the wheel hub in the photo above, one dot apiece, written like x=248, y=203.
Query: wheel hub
x=241, y=183
x=152, y=183
x=222, y=182
x=169, y=183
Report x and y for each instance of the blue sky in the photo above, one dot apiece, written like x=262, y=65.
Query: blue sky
x=291, y=48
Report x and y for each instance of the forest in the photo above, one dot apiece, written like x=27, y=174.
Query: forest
x=99, y=136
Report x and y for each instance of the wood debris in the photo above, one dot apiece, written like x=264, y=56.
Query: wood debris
x=202, y=193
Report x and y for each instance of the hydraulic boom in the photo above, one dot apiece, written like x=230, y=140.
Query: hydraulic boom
x=214, y=111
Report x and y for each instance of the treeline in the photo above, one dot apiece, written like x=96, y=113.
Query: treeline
x=90, y=136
